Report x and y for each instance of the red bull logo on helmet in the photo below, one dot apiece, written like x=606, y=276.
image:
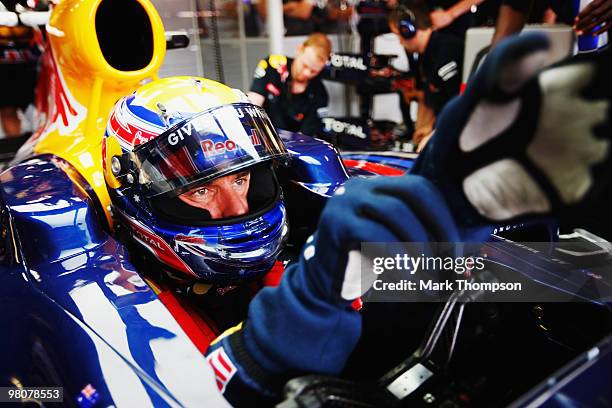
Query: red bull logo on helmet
x=212, y=148
x=129, y=132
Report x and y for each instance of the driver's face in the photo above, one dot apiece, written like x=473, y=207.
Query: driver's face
x=223, y=197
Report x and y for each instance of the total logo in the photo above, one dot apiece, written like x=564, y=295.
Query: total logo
x=347, y=61
x=147, y=239
x=337, y=126
x=212, y=148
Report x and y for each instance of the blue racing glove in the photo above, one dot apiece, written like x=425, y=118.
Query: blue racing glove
x=524, y=140
x=307, y=324
x=521, y=142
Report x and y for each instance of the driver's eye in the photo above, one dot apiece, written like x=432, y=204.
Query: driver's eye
x=240, y=181
x=201, y=193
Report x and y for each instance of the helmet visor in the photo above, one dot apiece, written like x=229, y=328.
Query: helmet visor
x=206, y=146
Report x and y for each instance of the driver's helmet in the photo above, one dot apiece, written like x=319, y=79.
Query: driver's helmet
x=174, y=134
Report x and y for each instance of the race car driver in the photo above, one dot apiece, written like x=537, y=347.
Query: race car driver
x=183, y=191
x=289, y=89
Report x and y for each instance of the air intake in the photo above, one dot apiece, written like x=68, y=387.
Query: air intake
x=124, y=33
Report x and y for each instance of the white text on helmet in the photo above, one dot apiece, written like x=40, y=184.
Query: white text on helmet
x=146, y=239
x=252, y=112
x=175, y=137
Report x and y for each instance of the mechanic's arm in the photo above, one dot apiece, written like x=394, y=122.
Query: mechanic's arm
x=262, y=8
x=426, y=118
x=448, y=80
x=338, y=13
x=510, y=21
x=257, y=93
x=442, y=18
x=445, y=84
x=595, y=18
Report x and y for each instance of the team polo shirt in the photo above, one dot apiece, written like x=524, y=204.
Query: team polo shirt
x=440, y=67
x=294, y=112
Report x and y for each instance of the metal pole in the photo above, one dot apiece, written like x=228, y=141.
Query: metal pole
x=243, y=51
x=276, y=26
x=197, y=43
x=214, y=31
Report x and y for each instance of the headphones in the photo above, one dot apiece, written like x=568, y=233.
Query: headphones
x=405, y=25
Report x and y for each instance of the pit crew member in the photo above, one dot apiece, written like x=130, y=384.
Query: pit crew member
x=290, y=90
x=439, y=65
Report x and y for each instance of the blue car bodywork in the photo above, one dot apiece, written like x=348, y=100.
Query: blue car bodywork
x=76, y=313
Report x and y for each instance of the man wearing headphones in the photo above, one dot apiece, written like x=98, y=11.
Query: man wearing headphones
x=440, y=61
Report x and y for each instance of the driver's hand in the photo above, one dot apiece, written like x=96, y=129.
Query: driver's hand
x=307, y=324
x=526, y=139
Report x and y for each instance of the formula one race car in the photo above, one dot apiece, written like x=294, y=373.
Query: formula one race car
x=77, y=314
